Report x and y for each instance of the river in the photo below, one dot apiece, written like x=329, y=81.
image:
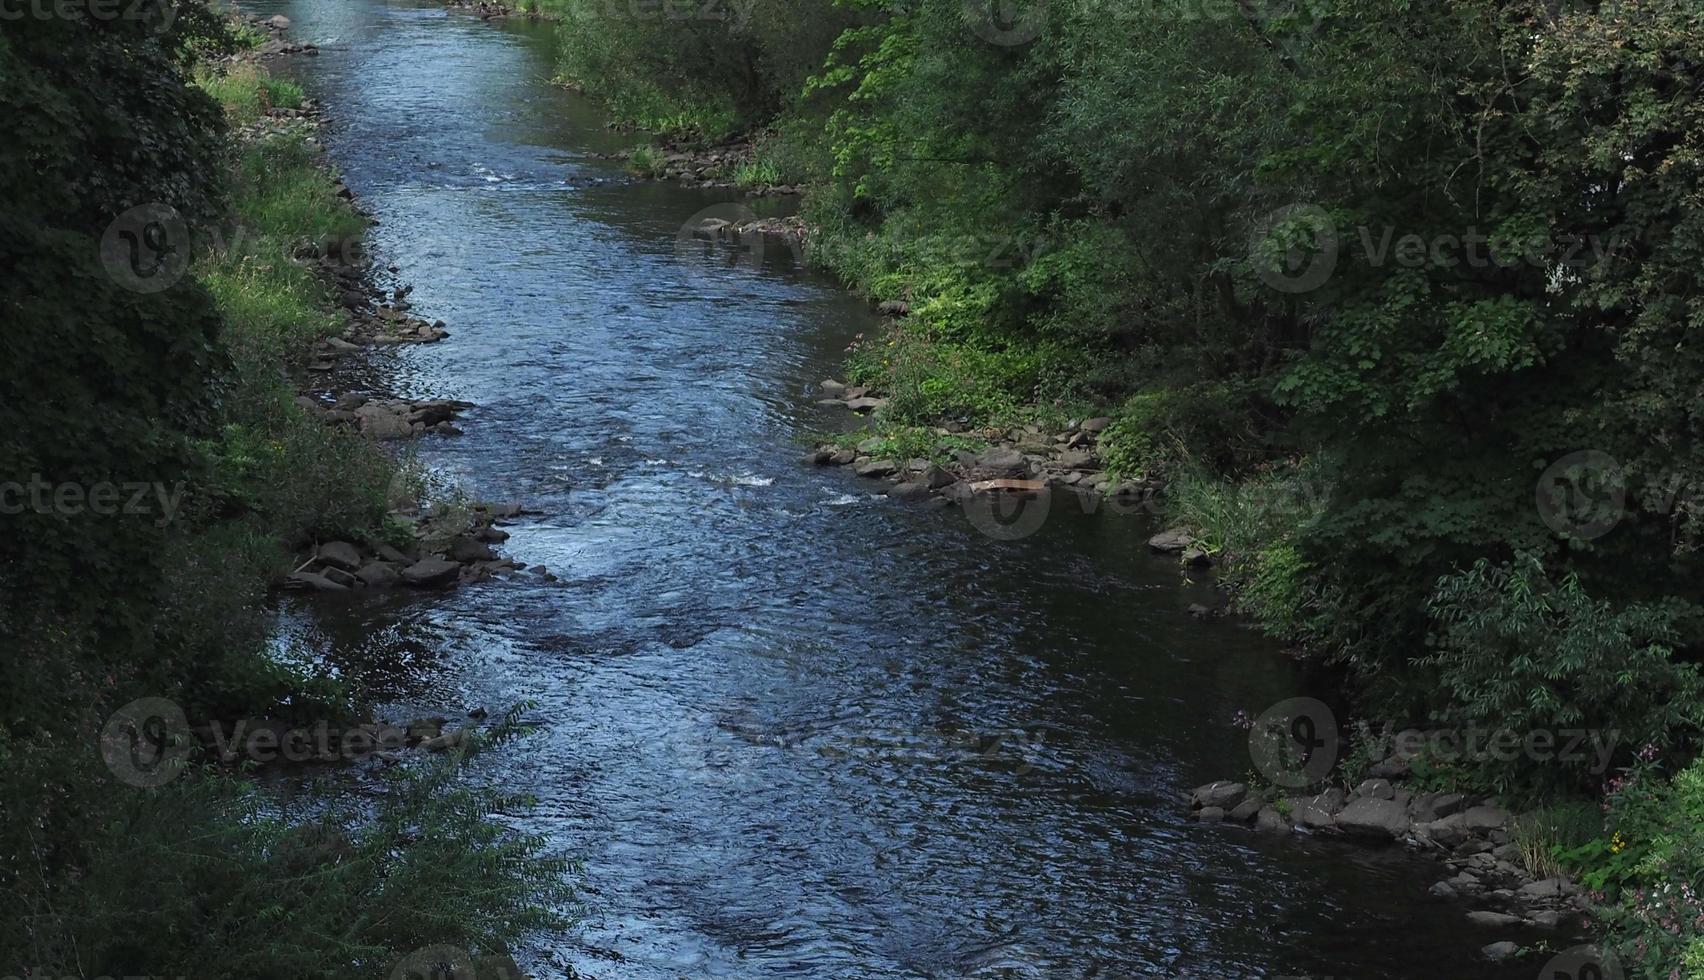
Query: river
x=791, y=730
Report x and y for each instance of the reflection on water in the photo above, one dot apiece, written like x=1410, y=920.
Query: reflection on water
x=792, y=729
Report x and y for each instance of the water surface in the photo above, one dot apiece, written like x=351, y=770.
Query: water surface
x=793, y=730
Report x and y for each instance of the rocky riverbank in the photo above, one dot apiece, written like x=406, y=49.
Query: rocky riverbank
x=427, y=546
x=1473, y=836
x=1024, y=462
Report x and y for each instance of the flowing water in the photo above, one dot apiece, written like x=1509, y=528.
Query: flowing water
x=791, y=729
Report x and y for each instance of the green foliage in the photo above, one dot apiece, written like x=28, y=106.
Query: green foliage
x=1546, y=834
x=1649, y=865
x=204, y=877
x=180, y=390
x=646, y=160
x=1533, y=654
x=756, y=173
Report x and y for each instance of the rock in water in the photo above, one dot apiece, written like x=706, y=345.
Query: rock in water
x=1172, y=542
x=431, y=572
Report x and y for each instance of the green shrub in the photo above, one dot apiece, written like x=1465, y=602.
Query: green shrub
x=1649, y=870
x=756, y=173
x=205, y=877
x=1515, y=648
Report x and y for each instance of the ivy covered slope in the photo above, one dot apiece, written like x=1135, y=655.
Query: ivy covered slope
x=109, y=382
x=1401, y=299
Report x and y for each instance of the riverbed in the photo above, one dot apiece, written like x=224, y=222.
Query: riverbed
x=791, y=728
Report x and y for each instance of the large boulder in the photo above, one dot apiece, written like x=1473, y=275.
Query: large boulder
x=1172, y=542
x=466, y=550
x=1371, y=816
x=379, y=575
x=312, y=582
x=431, y=573
x=1222, y=793
x=340, y=554
x=875, y=469
x=1485, y=818
x=1001, y=462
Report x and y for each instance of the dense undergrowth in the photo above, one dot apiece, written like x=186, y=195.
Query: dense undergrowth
x=1401, y=300
x=112, y=380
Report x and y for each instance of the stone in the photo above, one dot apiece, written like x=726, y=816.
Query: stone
x=1436, y=806
x=909, y=490
x=1466, y=883
x=865, y=404
x=1500, y=920
x=466, y=550
x=875, y=469
x=1246, y=810
x=278, y=22
x=339, y=554
x=893, y=307
x=1448, y=831
x=1392, y=768
x=833, y=389
x=1001, y=462
x=1308, y=814
x=380, y=423
x=341, y=577
x=393, y=555
x=431, y=572
x=1498, y=952
x=1443, y=890
x=1270, y=821
x=1197, y=555
x=1210, y=814
x=379, y=575
x=1485, y=818
x=1546, y=919
x=1373, y=817
x=1379, y=789
x=1076, y=459
x=1099, y=424
x=1548, y=888
x=1171, y=542
x=310, y=581
x=934, y=477
x=1221, y=793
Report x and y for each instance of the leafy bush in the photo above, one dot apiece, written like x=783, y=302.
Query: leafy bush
x=204, y=877
x=1513, y=646
x=1649, y=869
